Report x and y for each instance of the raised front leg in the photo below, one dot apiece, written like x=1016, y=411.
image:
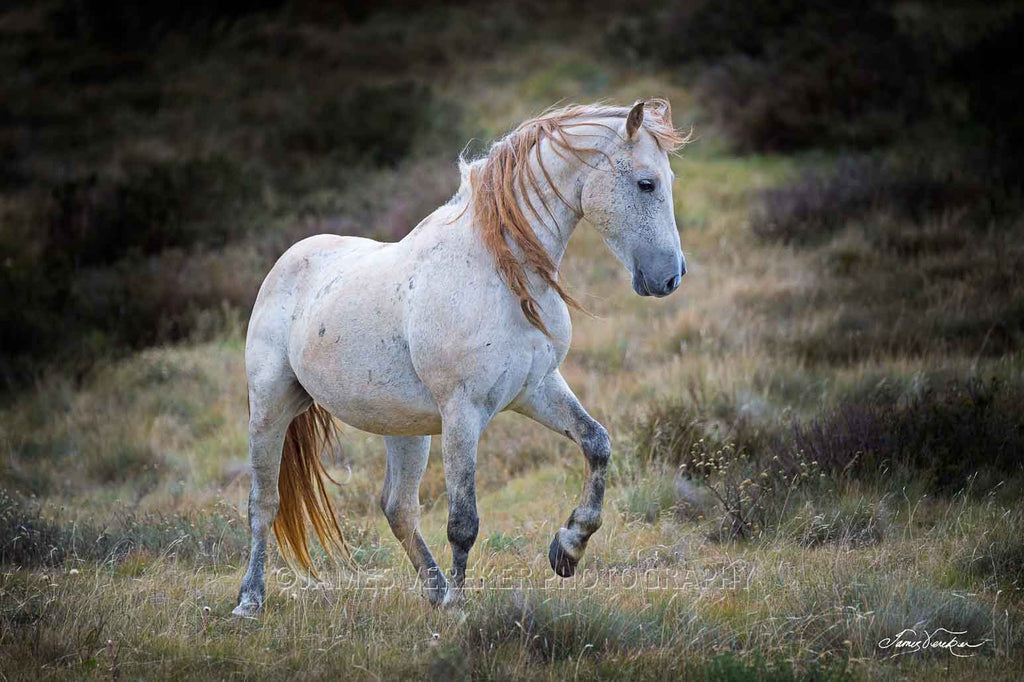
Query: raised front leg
x=400, y=501
x=554, y=405
x=460, y=434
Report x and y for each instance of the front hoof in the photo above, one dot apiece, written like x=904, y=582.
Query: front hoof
x=453, y=599
x=247, y=609
x=436, y=590
x=561, y=561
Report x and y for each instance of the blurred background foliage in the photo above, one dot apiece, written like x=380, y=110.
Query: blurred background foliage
x=138, y=139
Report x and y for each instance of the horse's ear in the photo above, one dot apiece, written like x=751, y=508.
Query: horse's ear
x=634, y=120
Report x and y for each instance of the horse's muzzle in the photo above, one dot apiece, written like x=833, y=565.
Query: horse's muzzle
x=657, y=286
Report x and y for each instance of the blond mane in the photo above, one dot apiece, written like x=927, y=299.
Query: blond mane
x=500, y=184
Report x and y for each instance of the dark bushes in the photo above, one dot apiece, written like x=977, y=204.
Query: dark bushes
x=800, y=102
x=370, y=125
x=995, y=109
x=914, y=255
x=149, y=147
x=750, y=480
x=818, y=204
x=798, y=73
x=174, y=295
x=748, y=489
x=941, y=437
x=129, y=24
x=155, y=206
x=115, y=258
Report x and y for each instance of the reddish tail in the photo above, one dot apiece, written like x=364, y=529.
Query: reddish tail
x=303, y=492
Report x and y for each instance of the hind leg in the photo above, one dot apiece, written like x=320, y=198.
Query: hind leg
x=273, y=405
x=400, y=501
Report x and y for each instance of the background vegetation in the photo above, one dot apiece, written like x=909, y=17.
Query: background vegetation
x=817, y=440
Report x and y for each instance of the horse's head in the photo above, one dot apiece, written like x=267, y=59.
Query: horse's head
x=632, y=207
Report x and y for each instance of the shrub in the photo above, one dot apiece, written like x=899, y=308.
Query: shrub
x=369, y=125
x=754, y=494
x=135, y=23
x=801, y=74
x=895, y=241
x=751, y=480
x=157, y=205
x=818, y=204
x=184, y=293
x=943, y=438
x=995, y=113
x=940, y=436
x=671, y=430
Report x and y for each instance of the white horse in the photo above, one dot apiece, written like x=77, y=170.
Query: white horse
x=437, y=333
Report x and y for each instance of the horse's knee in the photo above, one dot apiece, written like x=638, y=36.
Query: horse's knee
x=402, y=519
x=596, y=445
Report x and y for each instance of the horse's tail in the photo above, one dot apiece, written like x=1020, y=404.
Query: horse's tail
x=303, y=492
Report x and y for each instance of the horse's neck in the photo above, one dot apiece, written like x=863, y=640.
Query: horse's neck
x=556, y=221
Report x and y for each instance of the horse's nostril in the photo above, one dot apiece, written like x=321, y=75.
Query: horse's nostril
x=672, y=283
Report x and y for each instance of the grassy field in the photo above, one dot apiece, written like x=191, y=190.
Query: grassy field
x=816, y=439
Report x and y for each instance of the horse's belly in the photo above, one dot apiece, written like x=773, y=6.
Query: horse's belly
x=388, y=404
x=384, y=415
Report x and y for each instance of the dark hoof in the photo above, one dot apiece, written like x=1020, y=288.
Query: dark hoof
x=562, y=564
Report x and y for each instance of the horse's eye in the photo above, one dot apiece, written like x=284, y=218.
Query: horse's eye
x=645, y=185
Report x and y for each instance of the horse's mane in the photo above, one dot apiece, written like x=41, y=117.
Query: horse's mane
x=500, y=183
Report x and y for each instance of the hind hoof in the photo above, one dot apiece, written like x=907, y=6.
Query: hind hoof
x=436, y=589
x=562, y=562
x=247, y=609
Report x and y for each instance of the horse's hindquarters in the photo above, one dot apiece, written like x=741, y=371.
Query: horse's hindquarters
x=349, y=351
